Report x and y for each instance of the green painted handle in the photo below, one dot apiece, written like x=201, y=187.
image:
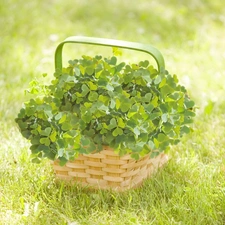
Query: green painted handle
x=155, y=53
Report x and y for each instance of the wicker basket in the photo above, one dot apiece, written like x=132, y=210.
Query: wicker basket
x=106, y=170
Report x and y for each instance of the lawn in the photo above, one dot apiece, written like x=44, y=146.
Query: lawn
x=190, y=189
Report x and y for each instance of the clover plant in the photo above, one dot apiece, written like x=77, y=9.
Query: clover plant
x=97, y=101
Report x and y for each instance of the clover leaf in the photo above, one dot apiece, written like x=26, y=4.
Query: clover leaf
x=98, y=101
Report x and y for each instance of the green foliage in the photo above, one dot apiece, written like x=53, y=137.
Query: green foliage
x=190, y=189
x=95, y=102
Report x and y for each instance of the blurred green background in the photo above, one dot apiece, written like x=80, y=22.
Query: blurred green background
x=190, y=35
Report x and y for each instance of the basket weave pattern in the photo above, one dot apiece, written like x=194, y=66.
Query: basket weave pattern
x=107, y=170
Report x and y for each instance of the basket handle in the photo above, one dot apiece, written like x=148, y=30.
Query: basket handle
x=155, y=53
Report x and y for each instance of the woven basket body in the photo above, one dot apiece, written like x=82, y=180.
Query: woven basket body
x=107, y=170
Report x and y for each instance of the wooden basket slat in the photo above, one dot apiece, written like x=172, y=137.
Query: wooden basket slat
x=143, y=171
x=95, y=172
x=126, y=183
x=129, y=165
x=107, y=152
x=163, y=159
x=95, y=183
x=141, y=163
x=107, y=170
x=113, y=179
x=78, y=174
x=96, y=155
x=82, y=157
x=115, y=170
x=126, y=157
x=114, y=161
x=130, y=173
x=94, y=164
x=74, y=165
x=138, y=179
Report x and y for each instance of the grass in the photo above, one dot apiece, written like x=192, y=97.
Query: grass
x=190, y=188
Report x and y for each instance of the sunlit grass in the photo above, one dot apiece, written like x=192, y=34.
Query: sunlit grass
x=190, y=188
x=190, y=34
